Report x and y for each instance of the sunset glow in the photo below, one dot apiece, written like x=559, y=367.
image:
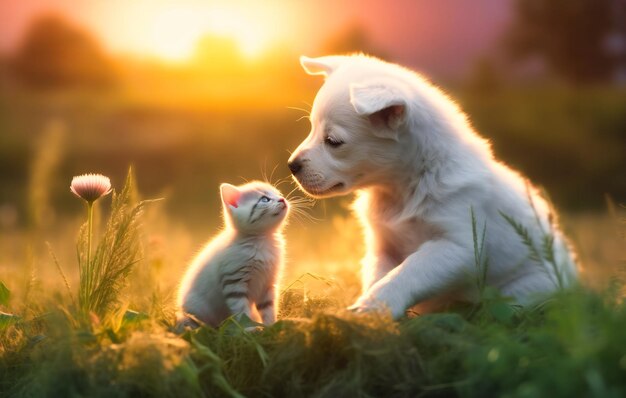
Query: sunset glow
x=174, y=33
x=174, y=30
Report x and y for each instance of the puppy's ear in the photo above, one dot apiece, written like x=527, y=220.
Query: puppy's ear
x=321, y=66
x=383, y=103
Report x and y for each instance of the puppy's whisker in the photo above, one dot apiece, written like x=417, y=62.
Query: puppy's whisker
x=295, y=108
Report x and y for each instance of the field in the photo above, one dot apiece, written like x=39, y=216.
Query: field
x=571, y=345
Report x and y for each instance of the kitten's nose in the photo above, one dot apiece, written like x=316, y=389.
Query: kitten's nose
x=295, y=166
x=281, y=200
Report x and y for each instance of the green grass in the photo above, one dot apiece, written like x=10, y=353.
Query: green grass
x=570, y=345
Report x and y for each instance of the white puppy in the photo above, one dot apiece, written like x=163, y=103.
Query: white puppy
x=420, y=172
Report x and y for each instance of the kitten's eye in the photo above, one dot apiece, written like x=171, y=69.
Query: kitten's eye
x=333, y=142
x=264, y=199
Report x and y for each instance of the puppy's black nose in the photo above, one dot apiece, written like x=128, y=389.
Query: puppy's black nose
x=295, y=166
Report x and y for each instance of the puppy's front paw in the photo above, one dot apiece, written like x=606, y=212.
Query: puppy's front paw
x=363, y=305
x=369, y=304
x=356, y=309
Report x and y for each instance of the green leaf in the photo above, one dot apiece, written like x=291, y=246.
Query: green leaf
x=131, y=316
x=452, y=323
x=491, y=293
x=211, y=363
x=113, y=336
x=501, y=311
x=7, y=320
x=246, y=322
x=5, y=294
x=238, y=323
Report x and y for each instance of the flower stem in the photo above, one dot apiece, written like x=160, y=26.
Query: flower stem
x=88, y=269
x=90, y=229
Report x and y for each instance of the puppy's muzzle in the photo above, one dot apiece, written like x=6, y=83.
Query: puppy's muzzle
x=295, y=166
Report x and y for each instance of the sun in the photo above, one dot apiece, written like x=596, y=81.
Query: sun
x=176, y=29
x=252, y=38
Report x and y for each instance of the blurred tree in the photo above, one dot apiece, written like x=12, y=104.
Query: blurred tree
x=55, y=54
x=353, y=39
x=570, y=35
x=485, y=77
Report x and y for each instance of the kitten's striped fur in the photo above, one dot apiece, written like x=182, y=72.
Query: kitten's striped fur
x=238, y=271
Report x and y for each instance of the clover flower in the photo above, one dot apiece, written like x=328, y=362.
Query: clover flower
x=90, y=187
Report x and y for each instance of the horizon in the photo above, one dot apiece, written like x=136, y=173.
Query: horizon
x=415, y=33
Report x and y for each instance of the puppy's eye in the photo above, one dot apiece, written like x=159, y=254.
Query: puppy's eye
x=264, y=199
x=333, y=142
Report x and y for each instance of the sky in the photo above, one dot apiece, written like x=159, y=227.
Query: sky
x=440, y=36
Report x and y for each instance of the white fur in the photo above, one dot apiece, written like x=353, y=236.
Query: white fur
x=246, y=257
x=419, y=169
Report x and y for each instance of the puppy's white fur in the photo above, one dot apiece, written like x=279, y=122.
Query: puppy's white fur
x=419, y=170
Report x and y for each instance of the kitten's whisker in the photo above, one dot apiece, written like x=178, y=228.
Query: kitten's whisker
x=302, y=198
x=281, y=183
x=264, y=171
x=300, y=208
x=272, y=174
x=303, y=217
x=293, y=190
x=298, y=199
x=283, y=180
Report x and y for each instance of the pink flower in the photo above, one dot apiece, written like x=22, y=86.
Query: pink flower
x=90, y=186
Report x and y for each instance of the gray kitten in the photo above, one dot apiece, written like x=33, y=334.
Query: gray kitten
x=239, y=269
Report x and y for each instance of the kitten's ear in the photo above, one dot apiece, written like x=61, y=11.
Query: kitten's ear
x=230, y=195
